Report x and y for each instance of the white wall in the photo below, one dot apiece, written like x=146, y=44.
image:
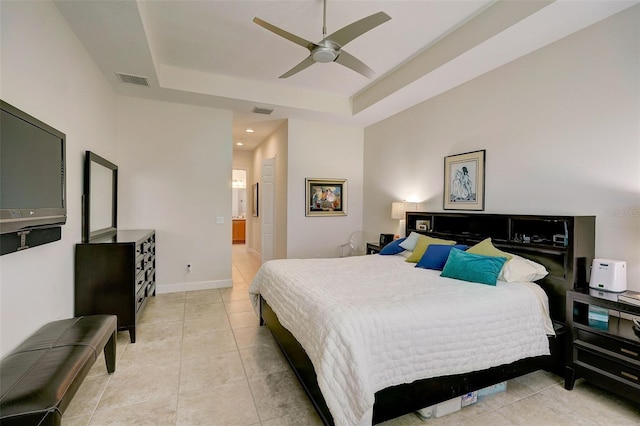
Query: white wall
x=174, y=164
x=46, y=72
x=318, y=150
x=561, y=127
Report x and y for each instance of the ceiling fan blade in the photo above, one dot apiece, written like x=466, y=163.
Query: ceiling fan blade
x=302, y=65
x=282, y=33
x=356, y=29
x=355, y=64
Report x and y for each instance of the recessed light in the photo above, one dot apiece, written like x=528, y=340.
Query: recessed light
x=249, y=130
x=239, y=143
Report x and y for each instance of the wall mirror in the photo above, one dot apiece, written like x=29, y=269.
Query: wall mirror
x=100, y=197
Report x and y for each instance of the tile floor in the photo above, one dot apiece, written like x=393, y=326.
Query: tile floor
x=201, y=359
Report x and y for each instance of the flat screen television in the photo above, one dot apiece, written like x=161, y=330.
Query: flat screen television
x=32, y=172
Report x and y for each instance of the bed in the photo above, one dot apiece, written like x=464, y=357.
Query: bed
x=373, y=337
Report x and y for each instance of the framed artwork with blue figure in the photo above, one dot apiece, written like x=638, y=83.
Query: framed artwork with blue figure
x=464, y=181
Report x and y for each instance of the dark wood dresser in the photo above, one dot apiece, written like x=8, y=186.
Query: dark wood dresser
x=116, y=275
x=604, y=353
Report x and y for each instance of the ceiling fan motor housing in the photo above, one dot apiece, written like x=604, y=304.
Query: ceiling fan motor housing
x=324, y=54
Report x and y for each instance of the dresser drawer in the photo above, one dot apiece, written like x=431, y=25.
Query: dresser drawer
x=140, y=282
x=140, y=296
x=626, y=350
x=619, y=369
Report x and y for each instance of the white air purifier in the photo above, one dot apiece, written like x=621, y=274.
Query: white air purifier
x=609, y=275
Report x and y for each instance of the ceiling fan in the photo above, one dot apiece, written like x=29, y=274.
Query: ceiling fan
x=329, y=49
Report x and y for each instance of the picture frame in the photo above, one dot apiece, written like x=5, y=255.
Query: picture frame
x=254, y=203
x=423, y=225
x=464, y=181
x=325, y=197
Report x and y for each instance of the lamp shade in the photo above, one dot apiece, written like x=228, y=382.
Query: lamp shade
x=398, y=209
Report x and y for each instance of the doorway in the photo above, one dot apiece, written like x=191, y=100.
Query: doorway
x=239, y=206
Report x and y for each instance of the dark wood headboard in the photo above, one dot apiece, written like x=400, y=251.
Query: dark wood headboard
x=565, y=245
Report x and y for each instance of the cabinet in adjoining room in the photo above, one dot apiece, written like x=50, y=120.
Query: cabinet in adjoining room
x=239, y=231
x=116, y=274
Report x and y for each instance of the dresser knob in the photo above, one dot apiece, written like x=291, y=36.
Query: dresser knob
x=628, y=352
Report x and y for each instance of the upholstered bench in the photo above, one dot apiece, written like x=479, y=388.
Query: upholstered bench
x=39, y=379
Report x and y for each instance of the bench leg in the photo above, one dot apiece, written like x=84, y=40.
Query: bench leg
x=110, y=353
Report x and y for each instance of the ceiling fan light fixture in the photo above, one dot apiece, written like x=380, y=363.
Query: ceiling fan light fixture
x=324, y=54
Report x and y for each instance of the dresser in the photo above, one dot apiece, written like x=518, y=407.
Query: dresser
x=116, y=275
x=604, y=353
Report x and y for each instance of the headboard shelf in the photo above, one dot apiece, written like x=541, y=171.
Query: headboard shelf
x=565, y=245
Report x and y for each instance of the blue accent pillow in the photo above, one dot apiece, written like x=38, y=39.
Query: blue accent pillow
x=393, y=247
x=436, y=256
x=472, y=267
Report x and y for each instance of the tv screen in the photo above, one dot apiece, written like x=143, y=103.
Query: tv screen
x=32, y=172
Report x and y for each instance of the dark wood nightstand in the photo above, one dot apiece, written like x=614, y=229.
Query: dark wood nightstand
x=373, y=248
x=605, y=354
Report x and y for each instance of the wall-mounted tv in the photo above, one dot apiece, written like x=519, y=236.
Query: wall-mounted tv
x=32, y=173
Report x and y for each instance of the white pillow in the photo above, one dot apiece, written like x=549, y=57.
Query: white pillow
x=519, y=269
x=410, y=242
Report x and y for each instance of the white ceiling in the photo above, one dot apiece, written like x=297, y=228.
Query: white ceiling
x=211, y=53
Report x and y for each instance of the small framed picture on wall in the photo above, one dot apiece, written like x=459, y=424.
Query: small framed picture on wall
x=254, y=200
x=464, y=181
x=326, y=197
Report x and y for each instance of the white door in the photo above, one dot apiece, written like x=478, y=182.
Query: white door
x=267, y=208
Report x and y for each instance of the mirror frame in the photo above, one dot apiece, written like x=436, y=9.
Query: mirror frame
x=92, y=160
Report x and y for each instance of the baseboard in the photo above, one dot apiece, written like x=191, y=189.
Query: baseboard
x=200, y=285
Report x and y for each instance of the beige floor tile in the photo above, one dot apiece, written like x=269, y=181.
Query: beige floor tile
x=207, y=344
x=146, y=383
x=237, y=306
x=225, y=405
x=159, y=331
x=160, y=412
x=210, y=371
x=243, y=320
x=157, y=313
x=193, y=310
x=408, y=420
x=541, y=410
x=206, y=324
x=203, y=297
x=301, y=418
x=236, y=293
x=75, y=421
x=262, y=360
x=278, y=394
x=595, y=403
x=254, y=336
x=157, y=352
x=166, y=300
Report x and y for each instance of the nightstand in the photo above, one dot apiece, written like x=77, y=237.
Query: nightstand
x=373, y=248
x=606, y=354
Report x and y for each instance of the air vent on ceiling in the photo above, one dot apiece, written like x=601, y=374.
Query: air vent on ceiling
x=133, y=79
x=265, y=111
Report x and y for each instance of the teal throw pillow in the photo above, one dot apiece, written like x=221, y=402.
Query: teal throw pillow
x=472, y=267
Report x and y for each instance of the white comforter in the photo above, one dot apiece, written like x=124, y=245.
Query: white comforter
x=370, y=322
